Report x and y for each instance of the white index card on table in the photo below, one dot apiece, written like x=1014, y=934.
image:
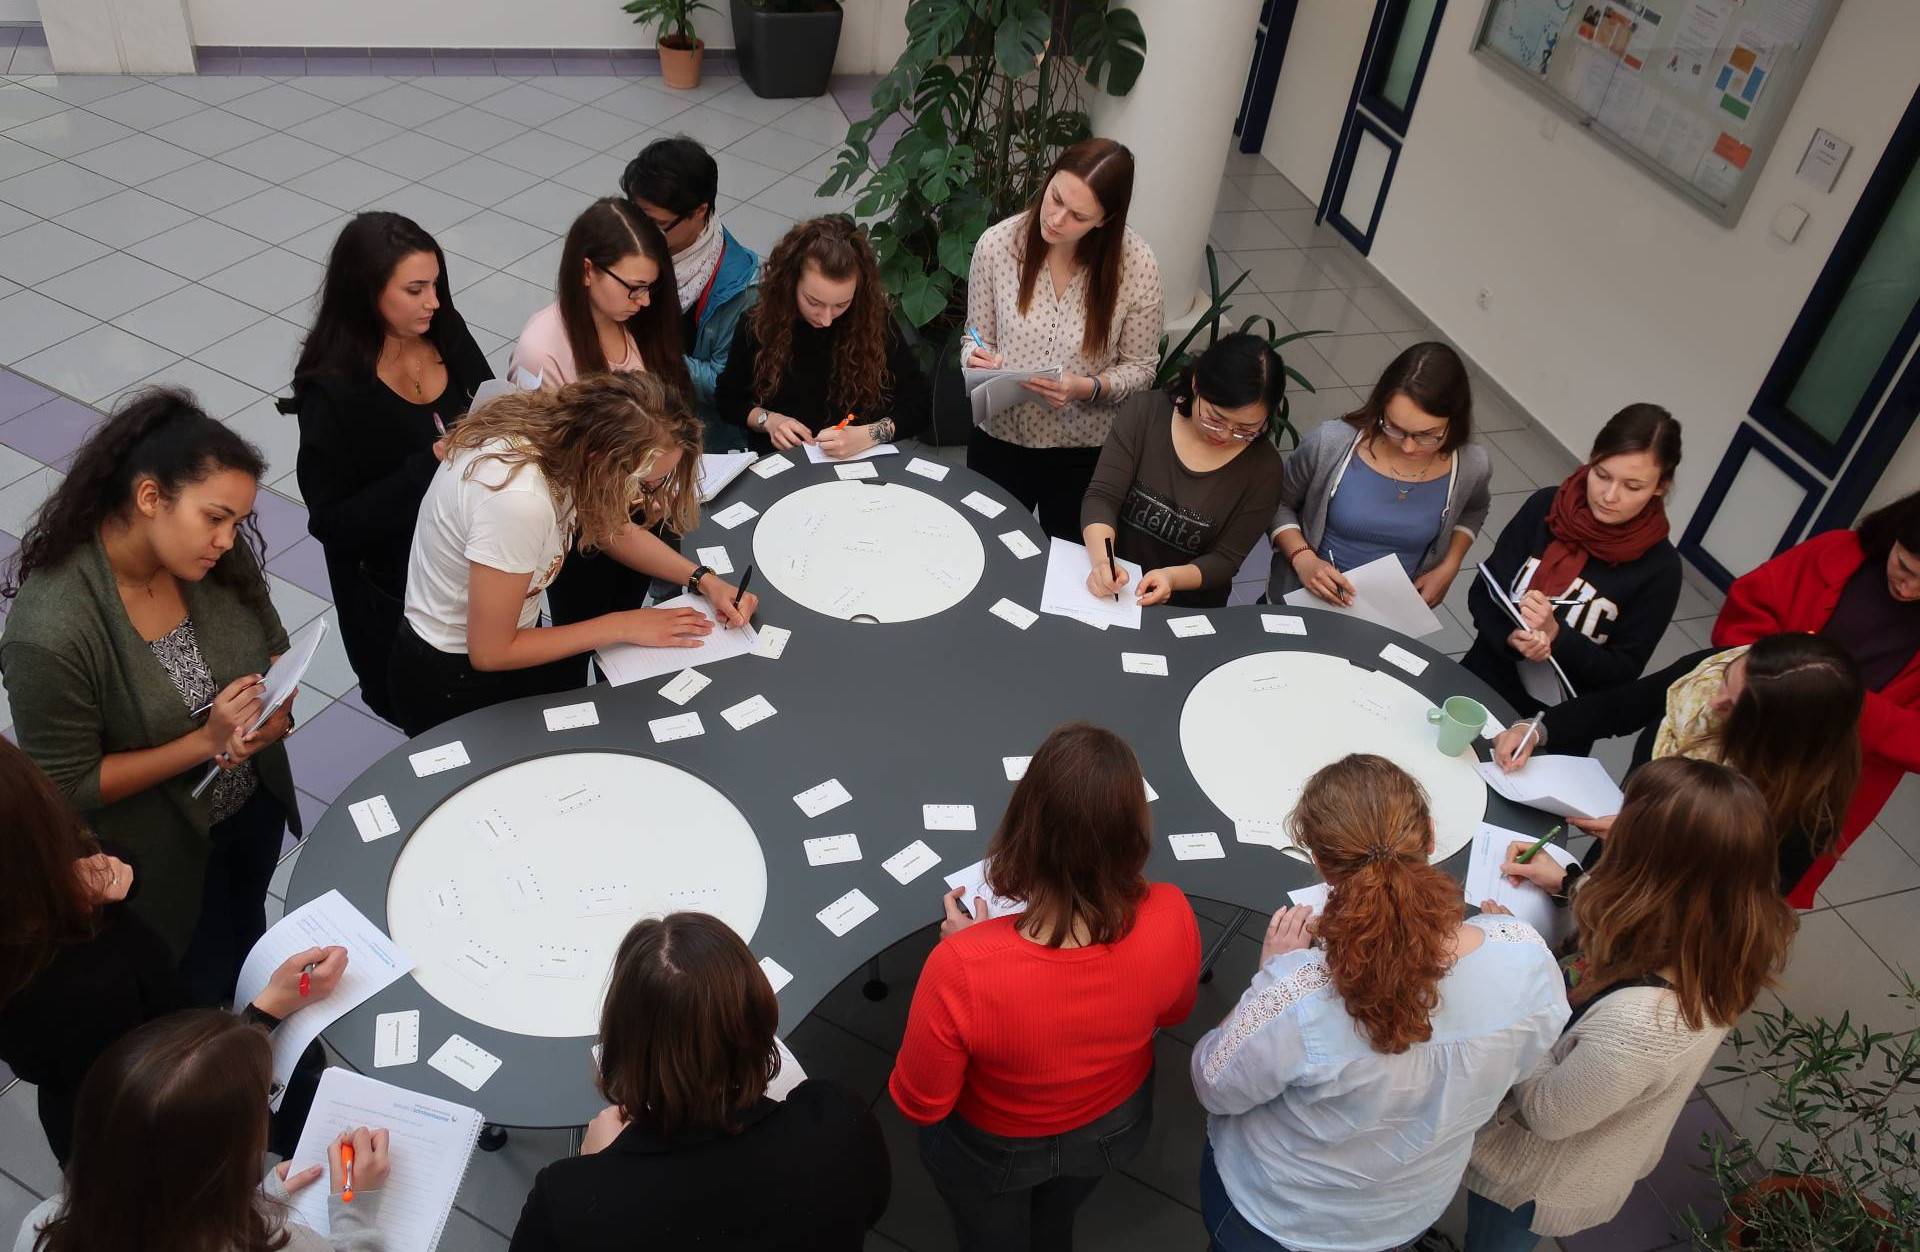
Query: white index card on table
x=833, y=849
x=1314, y=897
x=928, y=469
x=603, y=899
x=1015, y=766
x=734, y=514
x=911, y=861
x=1200, y=845
x=571, y=716
x=438, y=760
x=1271, y=831
x=1007, y=610
x=522, y=889
x=465, y=1061
x=565, y=961
x=1397, y=655
x=947, y=816
x=396, y=1038
x=768, y=466
x=1018, y=544
x=373, y=818
x=1283, y=623
x=748, y=712
x=1144, y=663
x=1152, y=795
x=847, y=912
x=687, y=684
x=777, y=974
x=818, y=799
x=772, y=642
x=859, y=469
x=679, y=726
x=478, y=962
x=715, y=558
x=1190, y=627
x=982, y=504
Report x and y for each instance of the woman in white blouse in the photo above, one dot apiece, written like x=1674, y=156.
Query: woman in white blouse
x=1346, y=1086
x=1068, y=284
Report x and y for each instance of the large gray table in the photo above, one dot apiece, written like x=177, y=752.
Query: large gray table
x=903, y=714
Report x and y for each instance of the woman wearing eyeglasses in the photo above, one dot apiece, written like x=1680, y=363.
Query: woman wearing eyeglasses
x=1397, y=478
x=1188, y=478
x=604, y=458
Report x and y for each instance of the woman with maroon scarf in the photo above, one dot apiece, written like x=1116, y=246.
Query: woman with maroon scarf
x=1590, y=568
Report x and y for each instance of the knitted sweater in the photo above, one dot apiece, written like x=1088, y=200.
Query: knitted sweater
x=1593, y=1119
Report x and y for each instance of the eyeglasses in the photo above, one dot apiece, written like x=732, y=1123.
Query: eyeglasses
x=640, y=487
x=1424, y=439
x=635, y=291
x=1213, y=425
x=666, y=226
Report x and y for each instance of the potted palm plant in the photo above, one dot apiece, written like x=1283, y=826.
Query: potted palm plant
x=1838, y=1165
x=786, y=47
x=680, y=49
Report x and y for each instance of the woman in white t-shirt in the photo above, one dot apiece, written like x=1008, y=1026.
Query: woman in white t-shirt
x=606, y=457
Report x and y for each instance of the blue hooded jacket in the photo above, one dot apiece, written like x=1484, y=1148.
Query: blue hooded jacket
x=733, y=292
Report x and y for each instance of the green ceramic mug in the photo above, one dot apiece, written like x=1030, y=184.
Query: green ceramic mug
x=1460, y=721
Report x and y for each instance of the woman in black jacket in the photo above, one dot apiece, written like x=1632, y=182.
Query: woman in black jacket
x=692, y=1152
x=388, y=366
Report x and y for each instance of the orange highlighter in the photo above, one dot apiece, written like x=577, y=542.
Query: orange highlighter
x=346, y=1165
x=844, y=422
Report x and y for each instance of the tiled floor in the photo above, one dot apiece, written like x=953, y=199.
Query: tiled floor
x=172, y=231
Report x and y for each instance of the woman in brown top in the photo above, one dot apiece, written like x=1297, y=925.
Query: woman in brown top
x=1188, y=478
x=1066, y=284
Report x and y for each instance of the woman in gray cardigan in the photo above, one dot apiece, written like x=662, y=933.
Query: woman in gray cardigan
x=1398, y=477
x=132, y=657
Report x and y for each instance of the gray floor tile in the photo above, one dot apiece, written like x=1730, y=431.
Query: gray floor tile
x=483, y=181
x=206, y=186
x=55, y=189
x=18, y=158
x=916, y=1217
x=740, y=100
x=598, y=129
x=30, y=321
x=214, y=88
x=218, y=394
x=197, y=248
x=406, y=105
x=544, y=205
x=271, y=280
x=596, y=176
x=81, y=88
x=472, y=130
x=1249, y=232
x=188, y=319
x=1542, y=460
x=1170, y=1162
x=276, y=158
x=1271, y=191
x=342, y=89
x=497, y=1183
x=1279, y=270
x=282, y=106
x=15, y=1203
x=346, y=184
x=275, y=215
x=33, y=254
x=800, y=199
x=1326, y=309
x=1833, y=971
x=711, y=127
x=144, y=108
x=95, y=363
x=1307, y=409
x=210, y=131
x=502, y=303
x=432, y=209
x=818, y=121
x=1298, y=226
x=1490, y=412
x=136, y=159
x=69, y=132
x=746, y=179
x=30, y=60
x=539, y=153
x=464, y=1234
x=1359, y=359
x=639, y=103
x=277, y=435
x=467, y=90
x=23, y=1145
x=1344, y=265
x=14, y=466
x=123, y=219
x=345, y=130
x=1126, y=1214
x=20, y=500
x=527, y=104
x=494, y=239
x=1388, y=311
x=111, y=285
x=295, y=605
x=825, y=1051
x=539, y=266
x=261, y=356
x=1874, y=865
x=20, y=105
x=776, y=149
x=1886, y=925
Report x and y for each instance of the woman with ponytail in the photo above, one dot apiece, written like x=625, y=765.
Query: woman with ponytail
x=140, y=628
x=1346, y=1086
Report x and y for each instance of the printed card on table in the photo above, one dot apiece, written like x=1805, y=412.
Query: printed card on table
x=439, y=760
x=1015, y=767
x=1201, y=845
x=911, y=861
x=777, y=975
x=603, y=899
x=859, y=469
x=1283, y=623
x=947, y=816
x=847, y=912
x=818, y=799
x=1406, y=660
x=736, y=513
x=928, y=469
x=479, y=963
x=679, y=726
x=984, y=505
x=1189, y=627
x=715, y=558
x=1008, y=611
x=768, y=466
x=466, y=1062
x=687, y=684
x=1144, y=663
x=833, y=849
x=1018, y=544
x=749, y=712
x=771, y=641
x=571, y=716
x=396, y=1039
x=373, y=818
x=561, y=960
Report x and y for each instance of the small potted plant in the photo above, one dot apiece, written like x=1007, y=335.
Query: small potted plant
x=1838, y=1167
x=680, y=49
x=786, y=47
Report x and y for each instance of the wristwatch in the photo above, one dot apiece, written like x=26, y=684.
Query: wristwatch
x=762, y=414
x=693, y=579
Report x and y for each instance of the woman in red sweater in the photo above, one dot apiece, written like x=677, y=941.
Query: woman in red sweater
x=1028, y=1057
x=1861, y=589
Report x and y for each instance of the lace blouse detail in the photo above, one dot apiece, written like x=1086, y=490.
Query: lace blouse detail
x=1263, y=1008
x=178, y=652
x=1508, y=930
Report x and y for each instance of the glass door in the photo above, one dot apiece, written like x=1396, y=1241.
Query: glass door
x=1379, y=114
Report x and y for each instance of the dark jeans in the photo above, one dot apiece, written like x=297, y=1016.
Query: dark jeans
x=233, y=897
x=430, y=686
x=1013, y=1195
x=1495, y=1228
x=1052, y=481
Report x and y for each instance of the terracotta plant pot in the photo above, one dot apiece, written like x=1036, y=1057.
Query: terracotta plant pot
x=680, y=65
x=1816, y=1190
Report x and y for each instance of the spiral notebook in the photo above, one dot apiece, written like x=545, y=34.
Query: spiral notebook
x=429, y=1143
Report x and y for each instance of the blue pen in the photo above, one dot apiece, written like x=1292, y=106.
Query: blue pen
x=978, y=342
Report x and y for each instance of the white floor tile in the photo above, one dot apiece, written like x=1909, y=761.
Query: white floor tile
x=598, y=175
x=198, y=248
x=1247, y=232
x=529, y=105
x=1279, y=269
x=296, y=605
x=69, y=132
x=110, y=286
x=136, y=159
x=270, y=280
x=210, y=185
x=539, y=153
x=18, y=158
x=215, y=88
x=261, y=355
x=1874, y=865
x=188, y=319
x=597, y=129
x=219, y=395
x=95, y=363
x=277, y=435
x=30, y=321
x=405, y=105
x=412, y=154
x=281, y=106
x=278, y=157
x=464, y=89
x=345, y=131
x=210, y=131
x=21, y=499
x=342, y=89
x=472, y=130
x=81, y=88
x=144, y=108
x=502, y=303
x=23, y=1145
x=549, y=207
x=1332, y=311
x=483, y=181
x=54, y=189
x=124, y=218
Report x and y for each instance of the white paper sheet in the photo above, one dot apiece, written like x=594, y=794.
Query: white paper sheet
x=1501, y=598
x=974, y=879
x=818, y=457
x=1314, y=897
x=990, y=391
x=373, y=963
x=718, y=469
x=429, y=1141
x=1383, y=594
x=1065, y=593
x=625, y=663
x=1565, y=786
x=277, y=687
x=1527, y=902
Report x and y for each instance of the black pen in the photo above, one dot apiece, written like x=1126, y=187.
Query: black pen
x=1113, y=568
x=744, y=580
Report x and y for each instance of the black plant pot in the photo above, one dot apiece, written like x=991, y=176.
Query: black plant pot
x=786, y=54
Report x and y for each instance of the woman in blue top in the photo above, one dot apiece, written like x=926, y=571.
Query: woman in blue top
x=1396, y=478
x=1346, y=1086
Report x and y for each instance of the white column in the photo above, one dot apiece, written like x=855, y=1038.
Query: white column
x=118, y=36
x=1178, y=120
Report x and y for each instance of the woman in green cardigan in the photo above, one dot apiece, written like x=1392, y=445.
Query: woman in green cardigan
x=132, y=657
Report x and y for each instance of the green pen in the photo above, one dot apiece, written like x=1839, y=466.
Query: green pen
x=1539, y=843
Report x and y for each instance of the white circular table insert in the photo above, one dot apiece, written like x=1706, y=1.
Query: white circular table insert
x=512, y=897
x=863, y=548
x=1255, y=729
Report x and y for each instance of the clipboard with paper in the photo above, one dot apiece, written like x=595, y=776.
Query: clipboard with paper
x=1501, y=598
x=280, y=682
x=990, y=391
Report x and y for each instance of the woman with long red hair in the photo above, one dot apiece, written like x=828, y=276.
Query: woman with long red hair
x=1346, y=1086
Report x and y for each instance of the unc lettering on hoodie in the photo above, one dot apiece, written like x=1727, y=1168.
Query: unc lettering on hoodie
x=1591, y=612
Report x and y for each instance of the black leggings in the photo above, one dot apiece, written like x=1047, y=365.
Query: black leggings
x=233, y=896
x=1052, y=481
x=430, y=686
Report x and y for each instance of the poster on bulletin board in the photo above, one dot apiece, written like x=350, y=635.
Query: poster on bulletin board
x=1692, y=91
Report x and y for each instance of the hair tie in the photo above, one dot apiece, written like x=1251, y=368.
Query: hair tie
x=1381, y=853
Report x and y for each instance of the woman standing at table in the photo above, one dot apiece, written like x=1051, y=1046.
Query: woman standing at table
x=1188, y=478
x=605, y=318
x=1396, y=478
x=819, y=360
x=387, y=367
x=1589, y=567
x=1680, y=927
x=1784, y=712
x=1346, y=1087
x=1028, y=1057
x=606, y=458
x=1861, y=589
x=1066, y=284
x=132, y=658
x=692, y=1150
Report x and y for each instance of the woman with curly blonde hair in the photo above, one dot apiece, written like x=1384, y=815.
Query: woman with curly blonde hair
x=1346, y=1086
x=606, y=457
x=819, y=360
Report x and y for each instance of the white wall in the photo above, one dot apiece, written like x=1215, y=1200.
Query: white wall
x=1605, y=287
x=1323, y=54
x=871, y=37
x=19, y=10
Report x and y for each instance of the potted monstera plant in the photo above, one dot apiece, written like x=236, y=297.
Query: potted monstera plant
x=786, y=47
x=680, y=49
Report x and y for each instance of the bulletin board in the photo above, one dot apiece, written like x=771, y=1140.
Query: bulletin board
x=1692, y=91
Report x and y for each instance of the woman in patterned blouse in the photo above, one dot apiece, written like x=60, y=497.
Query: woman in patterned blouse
x=1067, y=284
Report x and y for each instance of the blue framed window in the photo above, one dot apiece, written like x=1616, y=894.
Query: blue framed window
x=1366, y=168
x=1404, y=45
x=1736, y=507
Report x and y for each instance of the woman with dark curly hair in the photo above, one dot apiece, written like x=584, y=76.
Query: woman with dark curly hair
x=819, y=359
